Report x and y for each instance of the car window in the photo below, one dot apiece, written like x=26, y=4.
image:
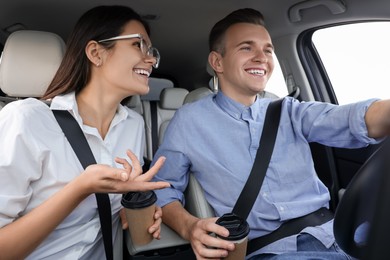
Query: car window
x=357, y=59
x=276, y=83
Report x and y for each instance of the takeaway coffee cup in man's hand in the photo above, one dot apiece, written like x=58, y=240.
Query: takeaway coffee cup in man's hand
x=238, y=234
x=140, y=209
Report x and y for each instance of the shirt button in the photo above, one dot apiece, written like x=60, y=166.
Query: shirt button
x=282, y=208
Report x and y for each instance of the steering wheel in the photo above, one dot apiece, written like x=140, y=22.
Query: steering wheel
x=362, y=218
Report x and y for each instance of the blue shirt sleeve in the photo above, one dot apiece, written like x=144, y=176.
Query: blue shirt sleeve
x=176, y=165
x=331, y=125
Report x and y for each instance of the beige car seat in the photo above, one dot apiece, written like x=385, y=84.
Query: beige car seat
x=28, y=63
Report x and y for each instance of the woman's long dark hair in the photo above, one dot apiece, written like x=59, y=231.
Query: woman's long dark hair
x=96, y=24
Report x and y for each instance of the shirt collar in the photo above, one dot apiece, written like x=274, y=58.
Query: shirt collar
x=68, y=102
x=236, y=109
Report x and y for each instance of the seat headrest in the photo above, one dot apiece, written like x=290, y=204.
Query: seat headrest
x=172, y=98
x=29, y=61
x=134, y=102
x=156, y=85
x=197, y=94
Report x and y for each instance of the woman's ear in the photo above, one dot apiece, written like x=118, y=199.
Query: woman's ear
x=215, y=62
x=92, y=50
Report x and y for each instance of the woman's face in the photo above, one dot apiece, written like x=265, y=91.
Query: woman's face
x=124, y=67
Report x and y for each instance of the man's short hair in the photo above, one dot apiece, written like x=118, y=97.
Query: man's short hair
x=217, y=33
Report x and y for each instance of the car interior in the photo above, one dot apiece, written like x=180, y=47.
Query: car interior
x=32, y=42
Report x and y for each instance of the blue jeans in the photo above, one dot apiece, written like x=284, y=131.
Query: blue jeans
x=308, y=247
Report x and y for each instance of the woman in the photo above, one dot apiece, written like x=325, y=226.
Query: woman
x=47, y=203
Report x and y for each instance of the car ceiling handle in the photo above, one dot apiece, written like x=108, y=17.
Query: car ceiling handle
x=335, y=7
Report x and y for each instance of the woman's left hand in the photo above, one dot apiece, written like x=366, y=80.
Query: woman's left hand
x=155, y=229
x=124, y=222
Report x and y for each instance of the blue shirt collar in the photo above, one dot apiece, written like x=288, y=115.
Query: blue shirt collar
x=236, y=109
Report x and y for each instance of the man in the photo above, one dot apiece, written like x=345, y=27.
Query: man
x=217, y=137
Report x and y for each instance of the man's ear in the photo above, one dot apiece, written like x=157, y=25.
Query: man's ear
x=215, y=59
x=92, y=50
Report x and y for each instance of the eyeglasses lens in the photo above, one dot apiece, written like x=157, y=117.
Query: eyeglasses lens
x=150, y=52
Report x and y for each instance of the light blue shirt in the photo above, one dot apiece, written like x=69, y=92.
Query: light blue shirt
x=217, y=138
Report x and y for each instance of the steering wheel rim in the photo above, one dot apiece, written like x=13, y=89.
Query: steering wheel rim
x=362, y=206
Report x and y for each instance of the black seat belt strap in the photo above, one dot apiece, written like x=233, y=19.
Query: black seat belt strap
x=291, y=227
x=154, y=126
x=252, y=186
x=80, y=146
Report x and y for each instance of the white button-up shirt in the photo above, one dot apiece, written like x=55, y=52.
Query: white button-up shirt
x=36, y=161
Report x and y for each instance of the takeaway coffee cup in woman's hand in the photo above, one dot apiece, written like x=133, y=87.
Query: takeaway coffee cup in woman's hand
x=238, y=234
x=140, y=209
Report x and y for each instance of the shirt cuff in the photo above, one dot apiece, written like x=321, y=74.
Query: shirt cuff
x=358, y=123
x=168, y=195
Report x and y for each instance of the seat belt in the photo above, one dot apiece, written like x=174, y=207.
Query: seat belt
x=154, y=127
x=252, y=186
x=80, y=146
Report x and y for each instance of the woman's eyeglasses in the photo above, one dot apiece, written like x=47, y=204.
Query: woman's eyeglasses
x=148, y=51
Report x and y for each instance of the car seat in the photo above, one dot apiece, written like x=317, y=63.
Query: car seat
x=170, y=100
x=158, y=107
x=158, y=111
x=149, y=107
x=28, y=63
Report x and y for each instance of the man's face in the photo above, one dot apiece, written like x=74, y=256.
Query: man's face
x=247, y=63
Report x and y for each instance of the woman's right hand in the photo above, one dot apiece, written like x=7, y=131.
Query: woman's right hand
x=99, y=178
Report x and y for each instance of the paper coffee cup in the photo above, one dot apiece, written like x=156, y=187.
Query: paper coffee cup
x=238, y=234
x=140, y=209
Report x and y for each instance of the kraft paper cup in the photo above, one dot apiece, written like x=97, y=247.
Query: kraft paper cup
x=140, y=208
x=238, y=234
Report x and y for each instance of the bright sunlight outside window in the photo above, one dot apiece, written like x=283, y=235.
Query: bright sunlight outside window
x=357, y=59
x=276, y=83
